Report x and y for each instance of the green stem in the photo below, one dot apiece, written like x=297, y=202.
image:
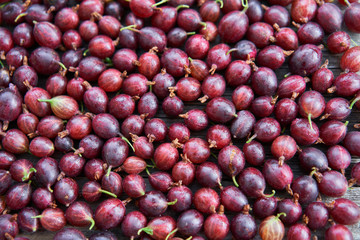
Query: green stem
x=45, y=100
x=171, y=233
x=347, y=3
x=108, y=193
x=190, y=33
x=280, y=214
x=190, y=59
x=252, y=138
x=149, y=166
x=181, y=6
x=2, y=65
x=245, y=4
x=4, y=4
x=20, y=16
x=314, y=170
x=62, y=65
x=231, y=50
x=31, y=170
x=107, y=60
x=270, y=195
x=85, y=52
x=353, y=102
x=130, y=27
x=92, y=223
x=152, y=160
x=159, y=3
x=49, y=188
x=38, y=216
x=108, y=171
x=220, y=185
x=234, y=180
x=189, y=238
x=353, y=42
x=214, y=155
x=204, y=25
x=172, y=203
x=147, y=230
x=147, y=171
x=310, y=122
x=82, y=106
x=346, y=123
x=286, y=75
x=221, y=3
x=128, y=142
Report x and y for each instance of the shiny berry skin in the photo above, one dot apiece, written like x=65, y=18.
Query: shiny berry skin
x=302, y=133
x=260, y=34
x=217, y=58
x=206, y=200
x=333, y=184
x=242, y=97
x=338, y=231
x=242, y=125
x=299, y=231
x=196, y=150
x=252, y=182
x=109, y=214
x=190, y=222
x=237, y=73
x=265, y=206
x=233, y=199
x=317, y=215
x=220, y=110
x=307, y=189
x=351, y=16
x=303, y=11
x=195, y=120
x=305, y=60
x=218, y=136
x=338, y=42
x=264, y=81
x=278, y=175
x=254, y=153
x=344, y=211
x=312, y=157
x=292, y=209
x=233, y=26
x=322, y=79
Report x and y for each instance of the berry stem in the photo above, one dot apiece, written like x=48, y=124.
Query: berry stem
x=181, y=6
x=172, y=203
x=310, y=122
x=26, y=177
x=131, y=28
x=221, y=3
x=234, y=180
x=353, y=102
x=270, y=195
x=245, y=4
x=159, y=3
x=147, y=230
x=171, y=233
x=92, y=223
x=108, y=193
